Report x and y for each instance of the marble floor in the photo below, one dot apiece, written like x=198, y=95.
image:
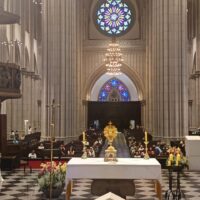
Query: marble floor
x=20, y=186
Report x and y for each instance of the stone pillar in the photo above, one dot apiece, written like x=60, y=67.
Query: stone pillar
x=167, y=77
x=198, y=65
x=62, y=60
x=198, y=35
x=195, y=89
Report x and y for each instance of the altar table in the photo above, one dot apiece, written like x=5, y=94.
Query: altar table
x=192, y=144
x=125, y=168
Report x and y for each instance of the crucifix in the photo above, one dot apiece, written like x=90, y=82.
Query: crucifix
x=53, y=106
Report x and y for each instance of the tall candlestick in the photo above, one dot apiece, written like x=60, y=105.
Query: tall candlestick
x=145, y=136
x=83, y=136
x=84, y=156
x=146, y=156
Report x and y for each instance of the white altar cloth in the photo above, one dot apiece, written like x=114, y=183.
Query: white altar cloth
x=192, y=146
x=125, y=168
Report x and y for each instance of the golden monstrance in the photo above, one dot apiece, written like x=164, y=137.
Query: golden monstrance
x=110, y=132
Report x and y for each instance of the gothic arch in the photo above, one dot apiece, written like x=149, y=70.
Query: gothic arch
x=132, y=74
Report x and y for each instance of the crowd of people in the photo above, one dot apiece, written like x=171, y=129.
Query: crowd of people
x=137, y=148
x=135, y=140
x=72, y=149
x=154, y=148
x=134, y=136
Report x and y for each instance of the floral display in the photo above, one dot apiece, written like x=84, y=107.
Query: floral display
x=176, y=157
x=58, y=173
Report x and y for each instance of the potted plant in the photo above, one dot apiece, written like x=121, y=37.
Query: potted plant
x=52, y=175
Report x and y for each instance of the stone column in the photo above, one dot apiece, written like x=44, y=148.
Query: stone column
x=167, y=79
x=198, y=34
x=62, y=61
x=198, y=63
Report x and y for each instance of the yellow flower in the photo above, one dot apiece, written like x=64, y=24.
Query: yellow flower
x=63, y=167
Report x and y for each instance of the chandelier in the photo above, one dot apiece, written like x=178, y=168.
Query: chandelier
x=113, y=59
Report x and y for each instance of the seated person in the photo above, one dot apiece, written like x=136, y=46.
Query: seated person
x=151, y=152
x=29, y=130
x=41, y=150
x=22, y=137
x=91, y=152
x=157, y=150
x=61, y=150
x=137, y=155
x=12, y=135
x=141, y=148
x=41, y=146
x=32, y=155
x=132, y=124
x=16, y=135
x=71, y=151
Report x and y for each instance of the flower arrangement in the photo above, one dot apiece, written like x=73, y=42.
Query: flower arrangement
x=176, y=157
x=52, y=171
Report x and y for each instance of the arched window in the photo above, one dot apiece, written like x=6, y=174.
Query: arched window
x=114, y=90
x=114, y=17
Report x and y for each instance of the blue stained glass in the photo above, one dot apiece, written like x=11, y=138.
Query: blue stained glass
x=124, y=94
x=114, y=84
x=115, y=15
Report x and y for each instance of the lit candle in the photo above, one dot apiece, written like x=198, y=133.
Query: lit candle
x=171, y=157
x=83, y=136
x=145, y=136
x=176, y=162
x=178, y=157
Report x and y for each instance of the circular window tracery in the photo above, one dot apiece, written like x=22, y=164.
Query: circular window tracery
x=114, y=17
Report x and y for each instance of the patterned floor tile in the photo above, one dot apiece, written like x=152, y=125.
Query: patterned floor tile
x=20, y=186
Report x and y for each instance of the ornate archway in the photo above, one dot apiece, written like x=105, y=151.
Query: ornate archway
x=132, y=74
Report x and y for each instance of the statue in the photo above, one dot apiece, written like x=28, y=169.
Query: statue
x=110, y=132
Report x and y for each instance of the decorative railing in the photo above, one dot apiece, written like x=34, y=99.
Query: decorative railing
x=10, y=81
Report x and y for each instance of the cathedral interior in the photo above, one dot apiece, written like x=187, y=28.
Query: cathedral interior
x=69, y=67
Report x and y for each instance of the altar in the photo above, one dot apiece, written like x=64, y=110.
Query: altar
x=125, y=168
x=192, y=144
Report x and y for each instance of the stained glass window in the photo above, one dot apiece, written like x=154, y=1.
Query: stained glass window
x=114, y=90
x=114, y=17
